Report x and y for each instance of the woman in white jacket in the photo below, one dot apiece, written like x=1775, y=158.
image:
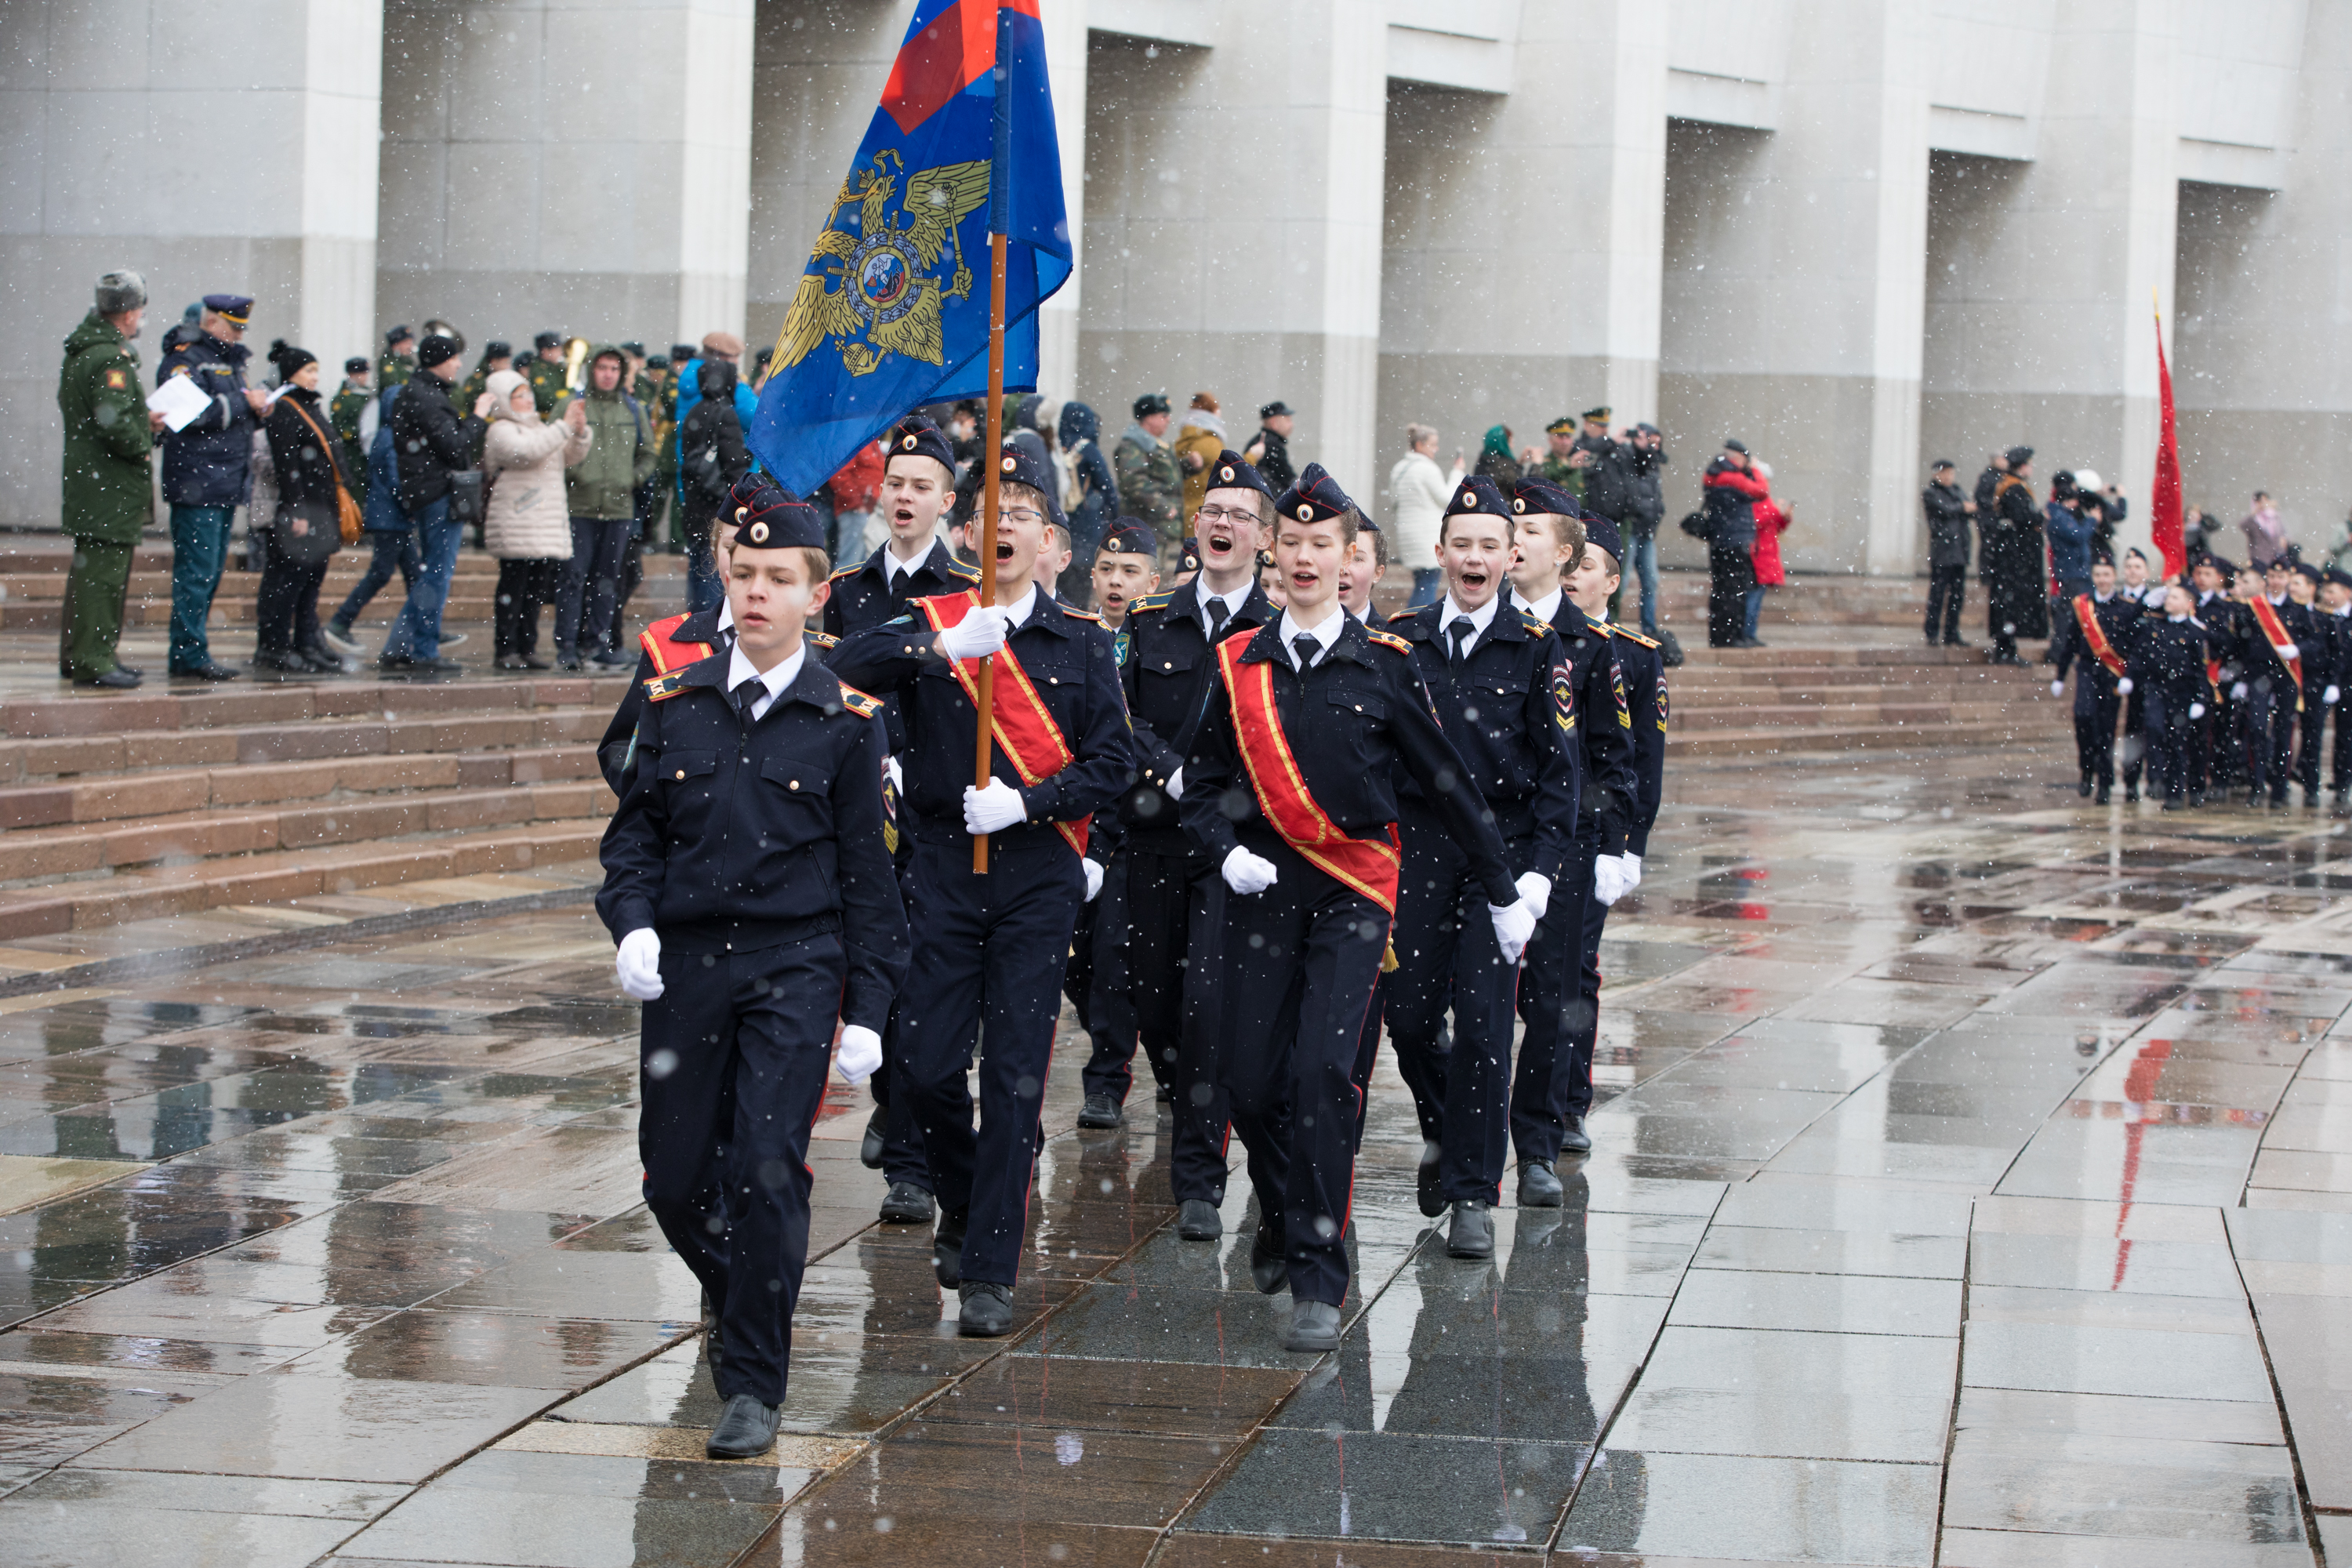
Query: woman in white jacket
x=1420, y=490
x=528, y=524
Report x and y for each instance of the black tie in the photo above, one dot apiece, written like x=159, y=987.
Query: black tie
x=745, y=695
x=1217, y=614
x=1307, y=648
x=1461, y=631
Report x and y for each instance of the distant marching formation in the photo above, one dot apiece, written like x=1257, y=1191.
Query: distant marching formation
x=1240, y=829
x=2223, y=681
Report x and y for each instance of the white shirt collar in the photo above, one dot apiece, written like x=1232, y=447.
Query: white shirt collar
x=739, y=671
x=726, y=615
x=1233, y=601
x=1019, y=612
x=1546, y=609
x=893, y=568
x=1325, y=634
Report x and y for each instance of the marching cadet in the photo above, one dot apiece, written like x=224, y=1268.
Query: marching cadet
x=1175, y=900
x=2095, y=631
x=2272, y=676
x=2212, y=765
x=1551, y=1089
x=1368, y=563
x=1097, y=983
x=1638, y=674
x=2168, y=671
x=914, y=563
x=745, y=882
x=2148, y=597
x=2314, y=637
x=1288, y=788
x=994, y=945
x=1488, y=669
x=2335, y=602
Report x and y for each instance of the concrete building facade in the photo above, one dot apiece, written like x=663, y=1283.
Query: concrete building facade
x=1859, y=234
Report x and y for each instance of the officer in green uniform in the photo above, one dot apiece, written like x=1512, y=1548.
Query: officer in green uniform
x=399, y=361
x=1559, y=466
x=109, y=485
x=496, y=356
x=344, y=413
x=546, y=373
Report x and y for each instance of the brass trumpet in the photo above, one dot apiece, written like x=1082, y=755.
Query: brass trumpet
x=576, y=364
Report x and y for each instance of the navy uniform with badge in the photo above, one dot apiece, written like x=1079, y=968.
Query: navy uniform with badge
x=1551, y=1087
x=875, y=593
x=2095, y=633
x=2316, y=636
x=2213, y=762
x=1287, y=785
x=2167, y=667
x=207, y=475
x=993, y=946
x=2278, y=687
x=745, y=882
x=1490, y=673
x=2339, y=622
x=1175, y=899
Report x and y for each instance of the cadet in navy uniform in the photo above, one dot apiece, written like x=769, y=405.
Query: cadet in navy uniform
x=993, y=945
x=1638, y=675
x=2275, y=678
x=915, y=563
x=2098, y=690
x=2213, y=764
x=2168, y=671
x=1488, y=669
x=2335, y=595
x=745, y=882
x=1287, y=785
x=1175, y=900
x=1552, y=1087
x=2314, y=635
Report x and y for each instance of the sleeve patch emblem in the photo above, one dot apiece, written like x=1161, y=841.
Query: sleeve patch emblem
x=1563, y=697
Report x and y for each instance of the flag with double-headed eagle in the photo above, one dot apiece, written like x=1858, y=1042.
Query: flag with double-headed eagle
x=892, y=310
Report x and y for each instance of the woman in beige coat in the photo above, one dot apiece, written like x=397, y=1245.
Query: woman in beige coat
x=528, y=524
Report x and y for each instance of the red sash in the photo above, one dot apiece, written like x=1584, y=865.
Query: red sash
x=665, y=651
x=1024, y=727
x=1367, y=865
x=2266, y=616
x=2086, y=617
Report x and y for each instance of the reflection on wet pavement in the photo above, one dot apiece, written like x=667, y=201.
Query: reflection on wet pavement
x=1973, y=1185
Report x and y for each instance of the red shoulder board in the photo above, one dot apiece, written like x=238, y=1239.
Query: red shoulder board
x=662, y=688
x=663, y=647
x=1390, y=641
x=858, y=703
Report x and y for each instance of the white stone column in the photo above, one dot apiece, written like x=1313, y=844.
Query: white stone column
x=212, y=148
x=581, y=169
x=1232, y=206
x=1066, y=70
x=1794, y=287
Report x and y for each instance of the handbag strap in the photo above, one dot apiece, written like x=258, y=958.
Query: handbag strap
x=325, y=446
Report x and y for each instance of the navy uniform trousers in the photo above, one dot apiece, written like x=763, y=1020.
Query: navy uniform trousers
x=1176, y=917
x=1447, y=955
x=2170, y=739
x=1096, y=982
x=903, y=1159
x=1299, y=961
x=1554, y=1081
x=755, y=1028
x=993, y=954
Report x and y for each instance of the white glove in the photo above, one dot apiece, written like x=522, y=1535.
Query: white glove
x=860, y=1053
x=638, y=965
x=2057, y=688
x=2286, y=650
x=897, y=776
x=1246, y=873
x=2124, y=686
x=1176, y=784
x=992, y=809
x=978, y=635
x=1514, y=923
x=1634, y=864
x=1610, y=879
x=2197, y=709
x=1093, y=878
x=1534, y=892
x=2237, y=692
x=2331, y=694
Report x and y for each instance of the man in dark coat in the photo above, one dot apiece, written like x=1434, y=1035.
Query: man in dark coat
x=109, y=501
x=1947, y=553
x=1732, y=488
x=431, y=444
x=2010, y=559
x=207, y=464
x=1270, y=453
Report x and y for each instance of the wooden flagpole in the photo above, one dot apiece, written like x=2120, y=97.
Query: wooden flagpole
x=1000, y=220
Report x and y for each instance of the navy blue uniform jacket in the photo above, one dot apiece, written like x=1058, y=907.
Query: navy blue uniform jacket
x=865, y=597
x=1642, y=674
x=735, y=836
x=209, y=461
x=1168, y=669
x=1067, y=654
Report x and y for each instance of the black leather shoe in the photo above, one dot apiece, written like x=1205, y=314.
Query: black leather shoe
x=2105, y=792
x=1269, y=1266
x=869, y=1148
x=1472, y=1234
x=2084, y=789
x=1314, y=1327
x=1429, y=1185
x=907, y=1204
x=2131, y=795
x=112, y=680
x=285, y=662
x=1197, y=1220
x=1100, y=1111
x=987, y=1312
x=745, y=1429
x=134, y=673
x=1539, y=1184
x=208, y=672
x=1575, y=1140
x=947, y=1248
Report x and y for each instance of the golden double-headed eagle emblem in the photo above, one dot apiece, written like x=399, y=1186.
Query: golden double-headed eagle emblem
x=892, y=275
